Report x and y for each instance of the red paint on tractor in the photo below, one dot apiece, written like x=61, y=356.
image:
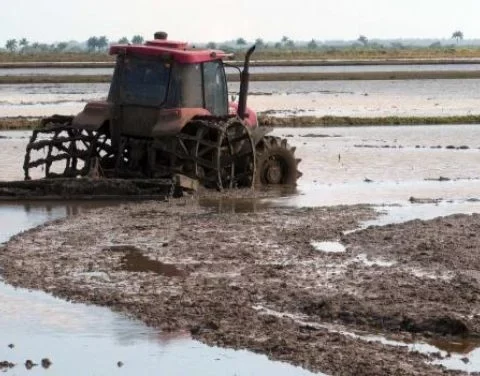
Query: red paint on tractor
x=180, y=55
x=250, y=120
x=171, y=121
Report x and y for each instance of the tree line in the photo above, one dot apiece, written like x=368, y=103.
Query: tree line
x=101, y=43
x=92, y=44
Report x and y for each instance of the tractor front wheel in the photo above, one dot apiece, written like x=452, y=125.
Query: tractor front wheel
x=276, y=162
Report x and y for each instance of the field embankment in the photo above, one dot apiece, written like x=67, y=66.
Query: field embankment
x=27, y=123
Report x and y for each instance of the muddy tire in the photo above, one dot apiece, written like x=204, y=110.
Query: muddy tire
x=220, y=153
x=275, y=162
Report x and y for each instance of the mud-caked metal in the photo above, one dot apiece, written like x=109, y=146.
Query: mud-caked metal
x=167, y=112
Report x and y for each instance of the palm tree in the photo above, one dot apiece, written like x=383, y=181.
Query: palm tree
x=137, y=39
x=312, y=44
x=241, y=42
x=102, y=42
x=287, y=42
x=23, y=43
x=92, y=44
x=259, y=43
x=61, y=46
x=363, y=40
x=11, y=45
x=458, y=35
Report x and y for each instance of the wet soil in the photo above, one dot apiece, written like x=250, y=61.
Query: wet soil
x=256, y=280
x=88, y=188
x=433, y=288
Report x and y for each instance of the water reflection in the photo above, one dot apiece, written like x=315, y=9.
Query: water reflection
x=19, y=217
x=250, y=201
x=134, y=261
x=459, y=345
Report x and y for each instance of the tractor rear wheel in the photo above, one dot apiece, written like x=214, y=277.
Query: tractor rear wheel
x=275, y=162
x=220, y=153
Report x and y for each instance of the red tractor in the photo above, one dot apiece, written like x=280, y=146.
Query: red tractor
x=167, y=112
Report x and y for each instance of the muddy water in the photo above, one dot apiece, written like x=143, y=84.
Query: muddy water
x=81, y=339
x=39, y=100
x=459, y=354
x=377, y=165
x=386, y=164
x=319, y=98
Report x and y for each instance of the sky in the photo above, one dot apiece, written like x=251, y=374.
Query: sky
x=49, y=21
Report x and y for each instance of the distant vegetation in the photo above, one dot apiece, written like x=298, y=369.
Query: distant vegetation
x=95, y=48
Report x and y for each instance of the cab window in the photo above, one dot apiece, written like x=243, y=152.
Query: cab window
x=215, y=88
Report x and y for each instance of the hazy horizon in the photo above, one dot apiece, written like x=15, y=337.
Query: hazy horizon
x=55, y=20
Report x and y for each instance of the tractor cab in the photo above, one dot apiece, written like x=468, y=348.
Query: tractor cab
x=169, y=79
x=159, y=86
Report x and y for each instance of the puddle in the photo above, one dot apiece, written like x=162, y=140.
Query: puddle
x=461, y=354
x=459, y=346
x=246, y=200
x=80, y=339
x=398, y=214
x=135, y=261
x=329, y=247
x=234, y=205
x=363, y=258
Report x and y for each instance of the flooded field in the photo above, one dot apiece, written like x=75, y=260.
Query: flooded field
x=375, y=165
x=296, y=240
x=316, y=98
x=121, y=265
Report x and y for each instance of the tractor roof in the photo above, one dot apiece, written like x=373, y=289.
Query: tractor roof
x=163, y=47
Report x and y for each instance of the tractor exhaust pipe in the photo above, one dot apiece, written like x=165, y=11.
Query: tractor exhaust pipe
x=244, y=78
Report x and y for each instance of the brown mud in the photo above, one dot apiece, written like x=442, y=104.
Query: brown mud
x=88, y=188
x=255, y=280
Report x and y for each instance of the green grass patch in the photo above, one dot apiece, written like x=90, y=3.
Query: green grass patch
x=347, y=121
x=26, y=123
x=18, y=123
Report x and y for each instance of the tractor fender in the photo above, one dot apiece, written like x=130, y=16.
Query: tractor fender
x=171, y=121
x=250, y=120
x=259, y=133
x=93, y=116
